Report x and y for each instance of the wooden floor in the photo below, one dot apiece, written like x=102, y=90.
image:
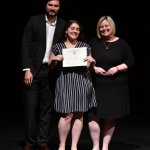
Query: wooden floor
x=132, y=133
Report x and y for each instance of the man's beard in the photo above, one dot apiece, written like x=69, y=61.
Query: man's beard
x=49, y=15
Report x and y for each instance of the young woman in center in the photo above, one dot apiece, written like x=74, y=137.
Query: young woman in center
x=74, y=92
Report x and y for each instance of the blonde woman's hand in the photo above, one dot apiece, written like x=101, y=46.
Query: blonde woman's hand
x=112, y=71
x=99, y=70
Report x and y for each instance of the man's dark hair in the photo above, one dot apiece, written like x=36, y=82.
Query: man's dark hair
x=45, y=1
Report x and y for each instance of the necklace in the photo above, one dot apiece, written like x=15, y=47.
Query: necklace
x=106, y=45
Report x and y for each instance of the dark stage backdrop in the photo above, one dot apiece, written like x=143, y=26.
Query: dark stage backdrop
x=132, y=24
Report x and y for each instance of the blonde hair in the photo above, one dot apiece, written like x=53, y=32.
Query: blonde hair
x=110, y=21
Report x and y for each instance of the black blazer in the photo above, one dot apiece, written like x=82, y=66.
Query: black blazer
x=34, y=41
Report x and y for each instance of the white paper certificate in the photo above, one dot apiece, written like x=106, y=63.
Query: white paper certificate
x=74, y=57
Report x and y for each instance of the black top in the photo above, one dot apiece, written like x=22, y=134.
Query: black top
x=112, y=91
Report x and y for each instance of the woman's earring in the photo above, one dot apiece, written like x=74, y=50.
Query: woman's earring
x=66, y=33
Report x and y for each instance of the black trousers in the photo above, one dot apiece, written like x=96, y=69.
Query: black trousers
x=38, y=108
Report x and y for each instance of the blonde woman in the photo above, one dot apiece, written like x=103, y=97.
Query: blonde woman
x=113, y=60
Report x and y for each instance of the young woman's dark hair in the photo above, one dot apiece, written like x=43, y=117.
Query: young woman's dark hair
x=81, y=37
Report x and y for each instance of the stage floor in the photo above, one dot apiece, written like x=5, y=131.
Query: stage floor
x=132, y=133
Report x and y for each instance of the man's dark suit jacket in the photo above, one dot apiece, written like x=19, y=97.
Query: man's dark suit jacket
x=34, y=41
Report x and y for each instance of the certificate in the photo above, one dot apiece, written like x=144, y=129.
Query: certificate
x=74, y=57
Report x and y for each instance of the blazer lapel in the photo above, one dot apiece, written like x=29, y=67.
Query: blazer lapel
x=43, y=27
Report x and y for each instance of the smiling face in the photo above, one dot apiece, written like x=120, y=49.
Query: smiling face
x=73, y=31
x=105, y=29
x=52, y=7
